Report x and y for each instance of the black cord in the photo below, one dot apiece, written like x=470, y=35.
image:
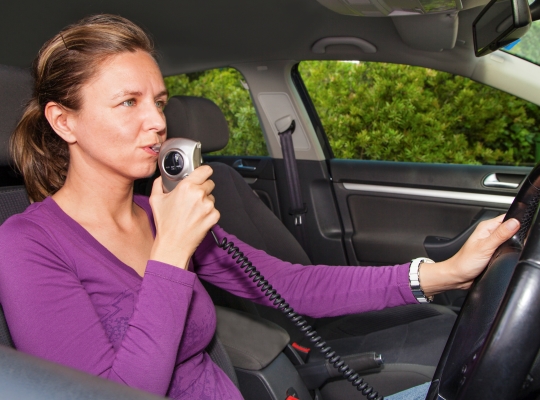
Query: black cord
x=280, y=303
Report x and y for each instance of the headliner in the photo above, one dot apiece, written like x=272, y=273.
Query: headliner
x=194, y=35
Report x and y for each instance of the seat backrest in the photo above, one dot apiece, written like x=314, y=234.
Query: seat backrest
x=15, y=90
x=242, y=212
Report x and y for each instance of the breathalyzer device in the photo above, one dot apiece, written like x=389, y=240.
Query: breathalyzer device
x=178, y=157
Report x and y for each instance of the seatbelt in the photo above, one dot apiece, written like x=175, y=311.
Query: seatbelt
x=286, y=127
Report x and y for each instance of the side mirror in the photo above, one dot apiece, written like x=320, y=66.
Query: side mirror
x=500, y=23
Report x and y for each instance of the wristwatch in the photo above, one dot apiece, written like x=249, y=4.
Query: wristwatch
x=414, y=279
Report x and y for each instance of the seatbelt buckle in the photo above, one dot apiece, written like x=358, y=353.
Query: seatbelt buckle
x=297, y=214
x=302, y=351
x=291, y=394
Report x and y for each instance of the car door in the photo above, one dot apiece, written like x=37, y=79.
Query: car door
x=402, y=192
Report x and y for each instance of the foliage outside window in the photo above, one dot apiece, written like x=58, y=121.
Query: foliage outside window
x=528, y=47
x=224, y=87
x=377, y=111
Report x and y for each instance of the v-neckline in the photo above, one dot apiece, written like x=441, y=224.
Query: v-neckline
x=91, y=240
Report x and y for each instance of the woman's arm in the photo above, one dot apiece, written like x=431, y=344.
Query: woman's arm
x=322, y=291
x=317, y=291
x=51, y=315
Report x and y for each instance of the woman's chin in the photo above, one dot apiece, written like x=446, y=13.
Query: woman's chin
x=142, y=172
x=148, y=173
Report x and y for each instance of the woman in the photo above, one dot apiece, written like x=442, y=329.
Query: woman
x=98, y=279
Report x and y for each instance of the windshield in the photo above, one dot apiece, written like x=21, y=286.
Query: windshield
x=528, y=47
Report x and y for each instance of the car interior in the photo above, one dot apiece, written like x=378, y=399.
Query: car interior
x=356, y=212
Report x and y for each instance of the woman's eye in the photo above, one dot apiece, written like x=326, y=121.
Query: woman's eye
x=160, y=104
x=128, y=103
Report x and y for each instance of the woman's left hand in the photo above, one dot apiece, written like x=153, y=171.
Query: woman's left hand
x=459, y=271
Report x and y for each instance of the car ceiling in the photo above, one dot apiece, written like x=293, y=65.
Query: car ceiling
x=193, y=35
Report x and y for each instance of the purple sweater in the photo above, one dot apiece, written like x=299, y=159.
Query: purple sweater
x=69, y=300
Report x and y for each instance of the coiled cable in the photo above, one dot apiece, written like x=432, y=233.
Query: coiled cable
x=280, y=303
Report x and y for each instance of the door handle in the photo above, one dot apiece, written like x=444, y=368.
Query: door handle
x=493, y=181
x=239, y=165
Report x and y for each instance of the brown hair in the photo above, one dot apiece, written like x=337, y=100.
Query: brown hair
x=63, y=65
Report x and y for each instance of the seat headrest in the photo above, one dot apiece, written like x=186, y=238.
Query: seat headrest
x=15, y=92
x=199, y=119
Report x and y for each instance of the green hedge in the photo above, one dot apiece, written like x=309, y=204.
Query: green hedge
x=391, y=112
x=402, y=113
x=224, y=87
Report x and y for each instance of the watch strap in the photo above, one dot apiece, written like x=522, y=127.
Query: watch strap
x=414, y=279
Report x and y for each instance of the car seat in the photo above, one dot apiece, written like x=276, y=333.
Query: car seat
x=410, y=338
x=15, y=91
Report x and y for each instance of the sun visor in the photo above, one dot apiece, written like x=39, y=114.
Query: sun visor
x=384, y=8
x=435, y=32
x=429, y=25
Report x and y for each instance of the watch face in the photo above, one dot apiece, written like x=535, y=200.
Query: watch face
x=173, y=163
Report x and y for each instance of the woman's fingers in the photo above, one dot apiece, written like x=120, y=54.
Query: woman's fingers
x=501, y=234
x=183, y=216
x=200, y=175
x=208, y=186
x=478, y=250
x=157, y=186
x=486, y=228
x=459, y=271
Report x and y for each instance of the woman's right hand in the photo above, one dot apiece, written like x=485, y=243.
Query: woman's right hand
x=183, y=217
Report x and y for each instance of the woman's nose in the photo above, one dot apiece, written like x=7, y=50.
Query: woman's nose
x=155, y=118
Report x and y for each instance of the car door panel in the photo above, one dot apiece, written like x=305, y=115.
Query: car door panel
x=390, y=230
x=393, y=211
x=389, y=209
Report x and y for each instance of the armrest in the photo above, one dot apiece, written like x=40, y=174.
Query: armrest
x=251, y=342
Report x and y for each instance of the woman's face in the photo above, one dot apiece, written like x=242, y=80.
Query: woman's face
x=121, y=117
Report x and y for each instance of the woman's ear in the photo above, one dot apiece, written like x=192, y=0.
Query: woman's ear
x=59, y=119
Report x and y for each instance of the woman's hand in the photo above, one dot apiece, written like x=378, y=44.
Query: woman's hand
x=183, y=217
x=459, y=271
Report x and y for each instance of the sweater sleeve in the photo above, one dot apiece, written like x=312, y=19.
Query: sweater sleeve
x=317, y=291
x=50, y=314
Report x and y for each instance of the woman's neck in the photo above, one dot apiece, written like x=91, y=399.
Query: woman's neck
x=105, y=208
x=89, y=199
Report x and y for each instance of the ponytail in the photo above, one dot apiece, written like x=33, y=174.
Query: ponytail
x=39, y=153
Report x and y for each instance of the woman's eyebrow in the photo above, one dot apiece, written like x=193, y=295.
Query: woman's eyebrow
x=123, y=93
x=163, y=93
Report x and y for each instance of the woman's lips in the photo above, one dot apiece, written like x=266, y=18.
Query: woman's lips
x=154, y=149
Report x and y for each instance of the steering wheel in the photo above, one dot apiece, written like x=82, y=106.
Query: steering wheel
x=496, y=337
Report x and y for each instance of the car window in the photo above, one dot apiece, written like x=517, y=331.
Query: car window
x=381, y=111
x=528, y=47
x=226, y=87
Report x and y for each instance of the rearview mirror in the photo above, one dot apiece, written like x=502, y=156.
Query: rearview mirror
x=500, y=23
